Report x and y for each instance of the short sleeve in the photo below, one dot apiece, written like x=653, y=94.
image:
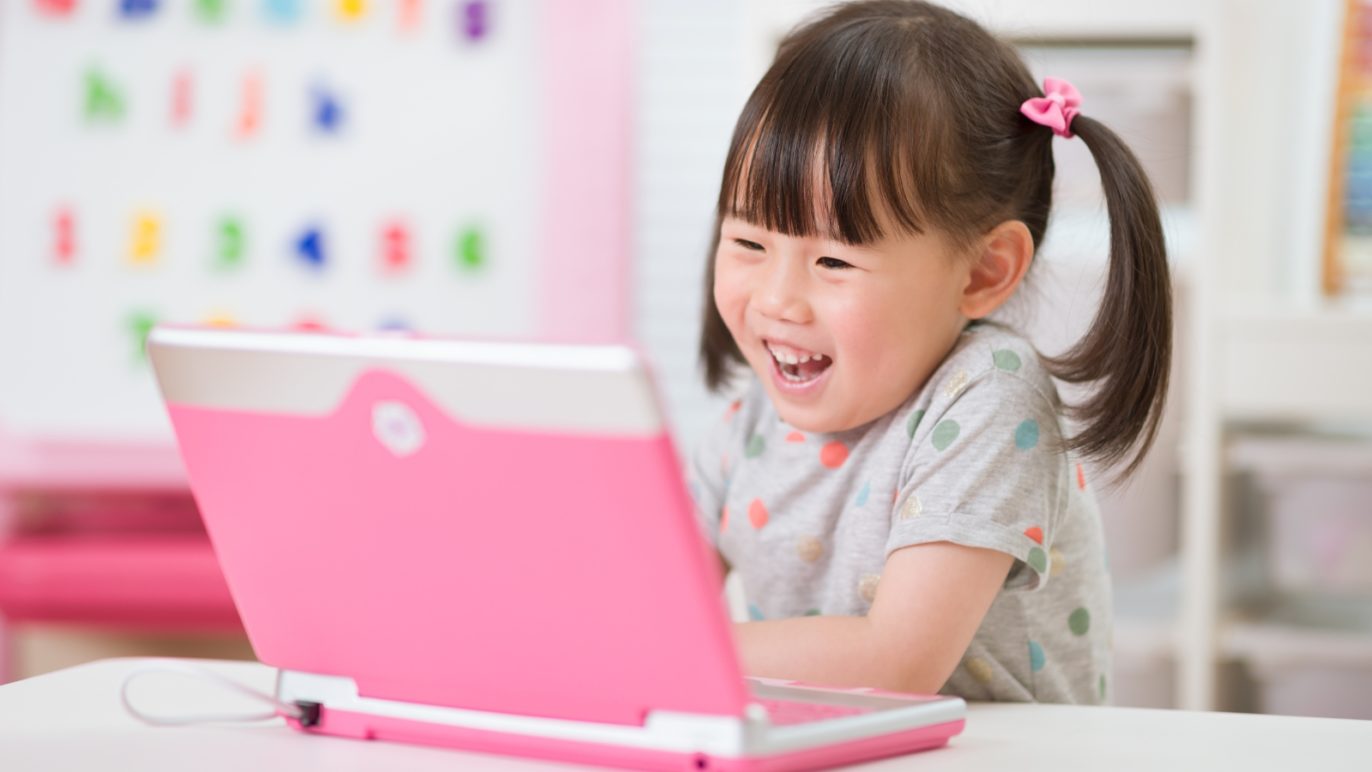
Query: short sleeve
x=987, y=469
x=707, y=472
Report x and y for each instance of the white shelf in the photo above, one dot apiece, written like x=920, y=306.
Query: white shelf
x=1264, y=349
x=1285, y=455
x=1274, y=645
x=1296, y=364
x=1086, y=19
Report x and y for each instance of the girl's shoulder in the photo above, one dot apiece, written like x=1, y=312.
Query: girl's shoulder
x=989, y=366
x=997, y=355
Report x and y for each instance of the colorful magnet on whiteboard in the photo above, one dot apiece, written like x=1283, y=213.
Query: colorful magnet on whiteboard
x=64, y=237
x=394, y=324
x=137, y=10
x=55, y=7
x=411, y=13
x=309, y=248
x=140, y=324
x=145, y=239
x=395, y=247
x=472, y=19
x=104, y=102
x=231, y=244
x=309, y=323
x=211, y=11
x=221, y=319
x=282, y=11
x=181, y=98
x=328, y=111
x=250, y=112
x=471, y=250
x=351, y=10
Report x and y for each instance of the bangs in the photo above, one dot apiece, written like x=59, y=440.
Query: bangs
x=836, y=143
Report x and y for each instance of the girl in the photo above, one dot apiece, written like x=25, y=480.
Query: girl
x=896, y=488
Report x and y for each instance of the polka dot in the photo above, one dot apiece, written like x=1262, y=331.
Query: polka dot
x=867, y=588
x=1006, y=360
x=956, y=385
x=912, y=508
x=1079, y=622
x=734, y=407
x=945, y=433
x=809, y=549
x=795, y=437
x=981, y=670
x=1036, y=658
x=1027, y=434
x=1034, y=533
x=1038, y=559
x=756, y=444
x=861, y=500
x=755, y=613
x=913, y=424
x=757, y=513
x=1081, y=478
x=1056, y=560
x=833, y=454
x=723, y=519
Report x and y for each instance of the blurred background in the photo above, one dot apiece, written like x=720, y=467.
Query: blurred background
x=537, y=168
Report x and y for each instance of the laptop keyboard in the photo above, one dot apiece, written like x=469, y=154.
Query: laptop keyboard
x=788, y=712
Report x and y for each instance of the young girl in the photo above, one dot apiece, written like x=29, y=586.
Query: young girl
x=896, y=488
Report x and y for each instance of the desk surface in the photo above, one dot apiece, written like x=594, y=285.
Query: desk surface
x=72, y=719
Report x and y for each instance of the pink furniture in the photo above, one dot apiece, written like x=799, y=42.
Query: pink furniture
x=152, y=582
x=103, y=537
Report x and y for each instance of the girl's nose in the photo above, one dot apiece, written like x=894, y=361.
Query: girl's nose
x=781, y=294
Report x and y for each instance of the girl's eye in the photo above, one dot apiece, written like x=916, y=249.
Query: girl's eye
x=749, y=245
x=834, y=263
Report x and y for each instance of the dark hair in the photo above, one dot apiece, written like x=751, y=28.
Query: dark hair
x=913, y=106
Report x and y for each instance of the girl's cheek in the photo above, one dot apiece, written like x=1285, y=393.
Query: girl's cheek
x=730, y=287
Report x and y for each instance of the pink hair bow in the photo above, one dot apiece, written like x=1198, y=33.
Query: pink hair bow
x=1056, y=108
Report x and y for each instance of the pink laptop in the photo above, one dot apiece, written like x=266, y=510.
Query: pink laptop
x=487, y=546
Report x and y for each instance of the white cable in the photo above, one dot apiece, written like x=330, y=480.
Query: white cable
x=183, y=668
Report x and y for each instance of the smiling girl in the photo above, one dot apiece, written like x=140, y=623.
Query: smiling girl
x=896, y=488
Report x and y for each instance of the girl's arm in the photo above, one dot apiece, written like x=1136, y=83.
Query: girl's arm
x=929, y=604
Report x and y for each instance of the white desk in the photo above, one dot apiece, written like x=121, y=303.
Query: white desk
x=72, y=720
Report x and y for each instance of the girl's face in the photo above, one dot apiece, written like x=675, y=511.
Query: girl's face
x=839, y=334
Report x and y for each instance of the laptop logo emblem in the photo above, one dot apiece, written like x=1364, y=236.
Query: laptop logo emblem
x=397, y=428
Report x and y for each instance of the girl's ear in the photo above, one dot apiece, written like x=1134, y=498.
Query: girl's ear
x=999, y=265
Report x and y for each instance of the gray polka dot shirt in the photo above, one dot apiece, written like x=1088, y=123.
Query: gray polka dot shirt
x=973, y=458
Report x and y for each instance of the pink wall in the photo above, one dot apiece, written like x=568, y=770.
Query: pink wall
x=588, y=74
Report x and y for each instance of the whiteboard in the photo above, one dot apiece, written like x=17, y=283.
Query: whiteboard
x=350, y=164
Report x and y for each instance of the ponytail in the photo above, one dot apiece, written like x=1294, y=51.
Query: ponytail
x=1127, y=352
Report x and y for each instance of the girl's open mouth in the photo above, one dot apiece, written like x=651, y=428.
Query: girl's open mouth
x=797, y=366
